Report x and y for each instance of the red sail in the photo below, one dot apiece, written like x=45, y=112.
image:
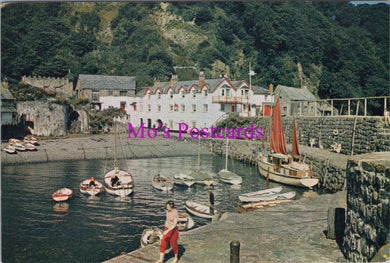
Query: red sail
x=295, y=146
x=277, y=142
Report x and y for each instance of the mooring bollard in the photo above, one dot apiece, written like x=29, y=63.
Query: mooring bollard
x=336, y=223
x=234, y=252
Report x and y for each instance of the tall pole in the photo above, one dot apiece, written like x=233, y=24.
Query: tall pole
x=116, y=162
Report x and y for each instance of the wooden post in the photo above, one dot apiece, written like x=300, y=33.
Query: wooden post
x=331, y=103
x=336, y=223
x=315, y=108
x=234, y=252
x=349, y=107
x=365, y=107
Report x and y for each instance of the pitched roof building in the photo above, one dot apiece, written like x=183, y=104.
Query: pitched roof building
x=295, y=101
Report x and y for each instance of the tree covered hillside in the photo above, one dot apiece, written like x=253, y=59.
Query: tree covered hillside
x=334, y=48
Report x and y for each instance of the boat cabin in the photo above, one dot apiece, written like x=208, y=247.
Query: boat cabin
x=285, y=165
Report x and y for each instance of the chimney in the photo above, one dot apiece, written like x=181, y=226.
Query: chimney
x=173, y=79
x=201, y=79
x=271, y=88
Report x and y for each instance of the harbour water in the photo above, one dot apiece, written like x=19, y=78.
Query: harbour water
x=94, y=229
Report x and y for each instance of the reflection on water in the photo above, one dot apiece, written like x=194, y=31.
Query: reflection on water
x=36, y=229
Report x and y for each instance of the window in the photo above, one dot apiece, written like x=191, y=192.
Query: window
x=265, y=97
x=110, y=93
x=205, y=108
x=95, y=95
x=182, y=108
x=170, y=93
x=123, y=93
x=193, y=123
x=205, y=92
x=158, y=95
x=182, y=94
x=170, y=108
x=123, y=105
x=158, y=108
x=223, y=92
x=149, y=107
x=222, y=107
x=148, y=96
x=193, y=107
x=193, y=93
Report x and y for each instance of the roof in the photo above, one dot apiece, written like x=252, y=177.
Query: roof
x=6, y=94
x=187, y=84
x=100, y=82
x=302, y=94
x=260, y=90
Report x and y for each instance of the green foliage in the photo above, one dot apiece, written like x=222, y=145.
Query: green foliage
x=23, y=92
x=343, y=49
x=104, y=118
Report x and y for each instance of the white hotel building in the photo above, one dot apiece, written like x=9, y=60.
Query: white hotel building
x=198, y=103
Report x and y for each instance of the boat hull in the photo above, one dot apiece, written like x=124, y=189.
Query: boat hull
x=183, y=180
x=229, y=177
x=199, y=210
x=123, y=189
x=91, y=190
x=267, y=170
x=163, y=183
x=185, y=221
x=256, y=205
x=267, y=197
x=62, y=194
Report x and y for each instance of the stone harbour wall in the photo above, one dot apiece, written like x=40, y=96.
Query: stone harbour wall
x=368, y=198
x=360, y=134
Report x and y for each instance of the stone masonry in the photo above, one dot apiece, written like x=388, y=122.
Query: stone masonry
x=368, y=198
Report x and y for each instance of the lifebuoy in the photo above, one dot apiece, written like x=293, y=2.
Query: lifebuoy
x=335, y=131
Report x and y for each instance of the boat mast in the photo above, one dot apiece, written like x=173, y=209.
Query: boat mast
x=199, y=154
x=227, y=151
x=116, y=162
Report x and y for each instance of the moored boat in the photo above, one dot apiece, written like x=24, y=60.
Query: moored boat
x=248, y=196
x=199, y=209
x=151, y=236
x=225, y=175
x=10, y=149
x=162, y=182
x=30, y=146
x=13, y=140
x=185, y=221
x=255, y=205
x=62, y=194
x=19, y=146
x=87, y=188
x=30, y=139
x=118, y=182
x=280, y=167
x=269, y=197
x=202, y=178
x=183, y=179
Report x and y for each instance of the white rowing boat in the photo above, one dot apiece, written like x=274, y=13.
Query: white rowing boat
x=62, y=194
x=251, y=197
x=162, y=183
x=279, y=196
x=183, y=179
x=200, y=210
x=255, y=205
x=185, y=221
x=86, y=188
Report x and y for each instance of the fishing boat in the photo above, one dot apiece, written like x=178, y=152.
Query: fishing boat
x=96, y=189
x=255, y=205
x=162, y=182
x=62, y=194
x=225, y=175
x=270, y=191
x=278, y=165
x=10, y=149
x=118, y=182
x=185, y=221
x=183, y=179
x=268, y=197
x=198, y=209
x=30, y=139
x=13, y=140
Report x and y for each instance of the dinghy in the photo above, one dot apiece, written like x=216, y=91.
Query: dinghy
x=151, y=236
x=185, y=221
x=10, y=149
x=270, y=197
x=225, y=175
x=19, y=146
x=249, y=197
x=183, y=180
x=255, y=205
x=96, y=189
x=30, y=139
x=198, y=209
x=162, y=183
x=62, y=194
x=30, y=146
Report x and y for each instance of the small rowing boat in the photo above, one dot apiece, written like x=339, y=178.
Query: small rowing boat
x=162, y=183
x=183, y=180
x=200, y=210
x=30, y=139
x=185, y=221
x=255, y=205
x=87, y=188
x=62, y=194
x=10, y=149
x=257, y=195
